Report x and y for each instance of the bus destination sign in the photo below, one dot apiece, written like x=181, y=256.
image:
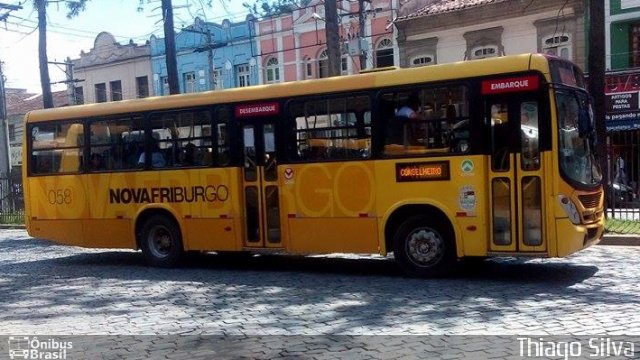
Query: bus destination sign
x=261, y=109
x=422, y=171
x=514, y=84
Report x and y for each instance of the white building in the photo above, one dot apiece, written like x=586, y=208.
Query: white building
x=442, y=31
x=112, y=72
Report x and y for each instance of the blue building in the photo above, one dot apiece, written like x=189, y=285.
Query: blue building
x=210, y=57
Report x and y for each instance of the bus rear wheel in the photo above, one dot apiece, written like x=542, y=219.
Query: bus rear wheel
x=160, y=241
x=424, y=247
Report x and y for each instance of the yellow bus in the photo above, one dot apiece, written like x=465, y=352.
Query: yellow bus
x=481, y=158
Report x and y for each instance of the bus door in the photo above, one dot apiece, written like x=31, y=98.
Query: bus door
x=515, y=175
x=260, y=183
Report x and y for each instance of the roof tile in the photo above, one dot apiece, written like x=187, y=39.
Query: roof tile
x=410, y=9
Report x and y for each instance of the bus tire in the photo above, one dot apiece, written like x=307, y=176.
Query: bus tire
x=424, y=247
x=161, y=241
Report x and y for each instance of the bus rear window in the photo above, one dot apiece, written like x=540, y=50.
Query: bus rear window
x=56, y=148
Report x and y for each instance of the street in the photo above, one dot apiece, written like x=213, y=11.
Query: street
x=51, y=289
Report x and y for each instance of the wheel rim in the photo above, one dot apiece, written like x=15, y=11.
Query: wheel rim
x=160, y=242
x=425, y=246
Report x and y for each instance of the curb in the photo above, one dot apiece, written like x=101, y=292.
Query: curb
x=620, y=239
x=12, y=226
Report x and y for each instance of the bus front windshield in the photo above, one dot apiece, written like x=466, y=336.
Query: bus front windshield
x=576, y=138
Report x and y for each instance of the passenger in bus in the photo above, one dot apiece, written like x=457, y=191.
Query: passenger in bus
x=95, y=162
x=410, y=110
x=116, y=160
x=157, y=159
x=188, y=155
x=410, y=120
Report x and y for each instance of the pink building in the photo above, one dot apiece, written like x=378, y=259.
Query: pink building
x=293, y=46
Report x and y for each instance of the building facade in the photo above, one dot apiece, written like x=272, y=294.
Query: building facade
x=210, y=56
x=293, y=46
x=622, y=90
x=111, y=72
x=443, y=31
x=19, y=103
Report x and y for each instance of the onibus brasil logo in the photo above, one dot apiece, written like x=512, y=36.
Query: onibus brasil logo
x=25, y=347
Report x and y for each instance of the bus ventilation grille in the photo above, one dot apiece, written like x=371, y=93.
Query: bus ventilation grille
x=590, y=201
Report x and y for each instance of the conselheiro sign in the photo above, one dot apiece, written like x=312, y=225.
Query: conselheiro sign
x=514, y=84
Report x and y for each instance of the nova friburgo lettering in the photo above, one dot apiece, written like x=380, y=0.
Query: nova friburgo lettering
x=210, y=193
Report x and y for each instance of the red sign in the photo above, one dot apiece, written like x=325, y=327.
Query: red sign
x=263, y=109
x=521, y=83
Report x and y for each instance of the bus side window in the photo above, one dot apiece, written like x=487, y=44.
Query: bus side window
x=529, y=135
x=500, y=137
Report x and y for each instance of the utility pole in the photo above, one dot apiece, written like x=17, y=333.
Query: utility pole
x=333, y=41
x=210, y=60
x=361, y=34
x=596, y=80
x=209, y=48
x=71, y=86
x=5, y=162
x=69, y=81
x=170, y=47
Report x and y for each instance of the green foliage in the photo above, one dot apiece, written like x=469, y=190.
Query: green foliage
x=75, y=7
x=271, y=8
x=12, y=218
x=622, y=226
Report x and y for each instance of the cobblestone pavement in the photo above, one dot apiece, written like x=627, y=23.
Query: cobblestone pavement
x=51, y=289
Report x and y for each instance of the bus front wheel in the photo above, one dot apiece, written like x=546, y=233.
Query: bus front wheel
x=424, y=248
x=160, y=241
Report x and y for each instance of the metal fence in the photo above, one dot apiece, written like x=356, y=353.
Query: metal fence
x=623, y=162
x=11, y=198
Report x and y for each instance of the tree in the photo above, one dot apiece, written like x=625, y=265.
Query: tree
x=169, y=44
x=170, y=47
x=73, y=9
x=266, y=8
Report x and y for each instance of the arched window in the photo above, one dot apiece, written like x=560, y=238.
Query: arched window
x=384, y=53
x=308, y=68
x=422, y=60
x=485, y=51
x=323, y=64
x=558, y=45
x=272, y=70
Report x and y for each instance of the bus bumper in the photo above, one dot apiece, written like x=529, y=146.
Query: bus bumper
x=572, y=238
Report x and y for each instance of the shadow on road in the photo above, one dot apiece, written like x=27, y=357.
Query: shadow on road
x=478, y=291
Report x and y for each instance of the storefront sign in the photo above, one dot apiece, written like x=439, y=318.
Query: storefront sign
x=622, y=102
x=622, y=93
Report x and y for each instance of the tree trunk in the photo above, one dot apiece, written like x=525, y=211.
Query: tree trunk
x=333, y=38
x=596, y=80
x=45, y=81
x=170, y=47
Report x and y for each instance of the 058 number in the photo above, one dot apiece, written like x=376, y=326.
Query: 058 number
x=60, y=197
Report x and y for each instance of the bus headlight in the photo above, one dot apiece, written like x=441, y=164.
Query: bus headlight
x=570, y=208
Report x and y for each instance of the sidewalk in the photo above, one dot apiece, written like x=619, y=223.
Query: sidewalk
x=608, y=239
x=621, y=239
